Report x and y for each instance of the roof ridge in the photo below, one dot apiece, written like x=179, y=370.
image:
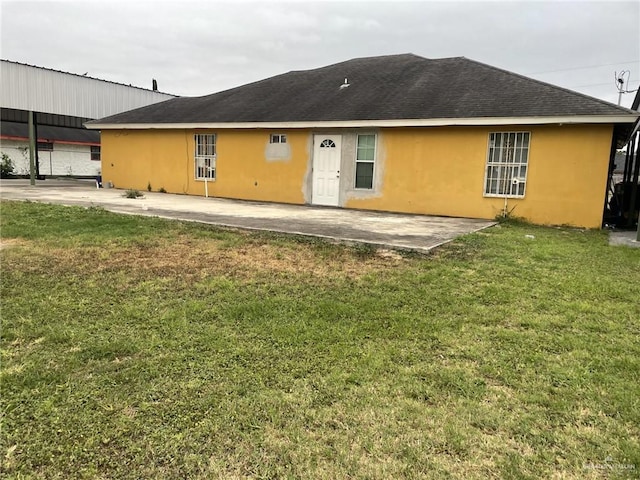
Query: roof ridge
x=309, y=70
x=85, y=76
x=371, y=57
x=557, y=87
x=255, y=82
x=461, y=57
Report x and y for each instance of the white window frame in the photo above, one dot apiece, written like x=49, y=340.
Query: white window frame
x=375, y=154
x=205, y=156
x=278, y=138
x=509, y=157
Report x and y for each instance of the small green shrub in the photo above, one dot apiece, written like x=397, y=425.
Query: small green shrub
x=162, y=190
x=364, y=250
x=6, y=166
x=148, y=186
x=132, y=193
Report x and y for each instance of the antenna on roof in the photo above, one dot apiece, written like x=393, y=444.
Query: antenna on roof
x=154, y=85
x=620, y=83
x=345, y=84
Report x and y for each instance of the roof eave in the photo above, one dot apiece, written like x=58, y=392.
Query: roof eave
x=430, y=122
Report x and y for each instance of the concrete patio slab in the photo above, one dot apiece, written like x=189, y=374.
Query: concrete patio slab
x=627, y=238
x=411, y=232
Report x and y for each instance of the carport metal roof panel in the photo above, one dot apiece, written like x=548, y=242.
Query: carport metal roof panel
x=27, y=87
x=50, y=133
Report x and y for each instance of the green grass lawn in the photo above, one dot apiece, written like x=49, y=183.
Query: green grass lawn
x=145, y=348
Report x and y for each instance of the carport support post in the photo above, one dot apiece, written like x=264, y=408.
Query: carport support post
x=32, y=149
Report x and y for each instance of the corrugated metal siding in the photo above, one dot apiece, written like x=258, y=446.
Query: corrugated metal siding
x=25, y=87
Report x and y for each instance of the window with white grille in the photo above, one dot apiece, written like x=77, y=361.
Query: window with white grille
x=205, y=157
x=507, y=160
x=278, y=138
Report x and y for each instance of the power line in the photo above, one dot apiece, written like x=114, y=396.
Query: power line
x=589, y=85
x=583, y=68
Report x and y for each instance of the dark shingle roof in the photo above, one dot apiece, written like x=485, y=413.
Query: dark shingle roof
x=394, y=87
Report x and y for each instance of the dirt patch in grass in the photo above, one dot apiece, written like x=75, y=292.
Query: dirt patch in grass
x=135, y=348
x=10, y=242
x=194, y=259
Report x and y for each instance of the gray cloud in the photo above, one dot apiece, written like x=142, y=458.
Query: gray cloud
x=195, y=48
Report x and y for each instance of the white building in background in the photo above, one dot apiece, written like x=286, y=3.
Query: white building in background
x=57, y=158
x=62, y=102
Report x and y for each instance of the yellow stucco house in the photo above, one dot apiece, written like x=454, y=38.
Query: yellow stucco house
x=398, y=133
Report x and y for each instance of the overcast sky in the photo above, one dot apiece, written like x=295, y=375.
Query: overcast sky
x=197, y=48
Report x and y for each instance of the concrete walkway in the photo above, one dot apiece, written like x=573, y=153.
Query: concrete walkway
x=390, y=230
x=626, y=238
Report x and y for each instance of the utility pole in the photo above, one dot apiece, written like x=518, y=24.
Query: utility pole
x=620, y=90
x=32, y=149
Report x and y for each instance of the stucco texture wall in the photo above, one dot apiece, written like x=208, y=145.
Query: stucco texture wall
x=436, y=171
x=246, y=167
x=440, y=171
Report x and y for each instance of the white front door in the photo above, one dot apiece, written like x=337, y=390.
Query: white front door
x=326, y=169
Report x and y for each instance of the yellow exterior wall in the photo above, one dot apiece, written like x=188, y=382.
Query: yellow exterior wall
x=165, y=159
x=437, y=171
x=440, y=171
